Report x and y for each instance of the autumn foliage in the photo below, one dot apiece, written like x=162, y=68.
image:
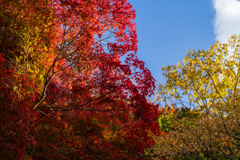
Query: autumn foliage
x=71, y=85
x=203, y=121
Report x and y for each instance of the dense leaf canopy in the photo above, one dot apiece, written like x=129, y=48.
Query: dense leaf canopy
x=206, y=87
x=71, y=85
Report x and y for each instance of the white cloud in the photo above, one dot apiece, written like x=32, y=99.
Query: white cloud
x=227, y=19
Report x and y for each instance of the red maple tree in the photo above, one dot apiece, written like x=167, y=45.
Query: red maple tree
x=71, y=85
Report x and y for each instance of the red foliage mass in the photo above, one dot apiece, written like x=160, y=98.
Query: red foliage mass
x=93, y=103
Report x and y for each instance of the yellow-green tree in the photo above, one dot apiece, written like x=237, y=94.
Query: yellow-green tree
x=208, y=83
x=203, y=78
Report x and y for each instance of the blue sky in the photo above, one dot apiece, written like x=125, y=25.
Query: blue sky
x=166, y=29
